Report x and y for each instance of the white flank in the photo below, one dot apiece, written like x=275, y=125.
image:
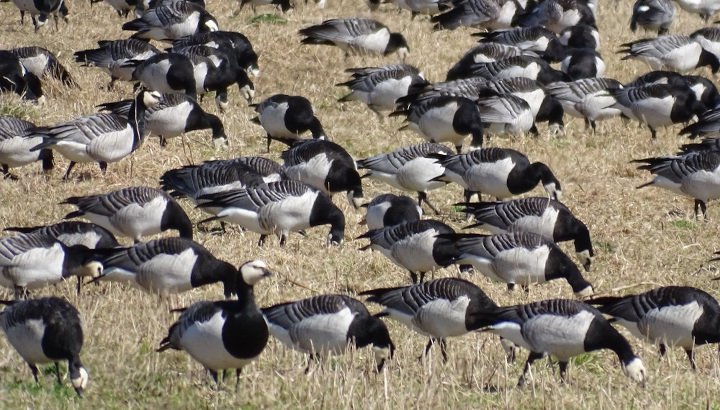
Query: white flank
x=559, y=336
x=26, y=338
x=443, y=318
x=203, y=341
x=167, y=273
x=323, y=333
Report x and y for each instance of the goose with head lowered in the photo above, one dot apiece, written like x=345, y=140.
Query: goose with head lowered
x=438, y=308
x=226, y=334
x=652, y=15
x=172, y=20
x=165, y=73
x=111, y=56
x=564, y=329
x=389, y=210
x=47, y=330
x=287, y=116
x=542, y=216
x=671, y=52
x=43, y=63
x=326, y=325
x=493, y=15
x=15, y=145
x=133, y=212
x=231, y=42
x=589, y=98
x=380, y=87
x=16, y=78
x=278, y=207
x=674, y=316
x=74, y=233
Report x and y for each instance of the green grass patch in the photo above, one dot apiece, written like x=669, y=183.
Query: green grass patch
x=606, y=247
x=268, y=19
x=683, y=224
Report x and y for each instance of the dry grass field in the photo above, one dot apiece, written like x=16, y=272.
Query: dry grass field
x=643, y=238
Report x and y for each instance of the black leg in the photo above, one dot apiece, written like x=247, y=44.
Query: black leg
x=691, y=356
x=261, y=242
x=510, y=287
x=422, y=277
x=703, y=208
x=653, y=134
x=422, y=197
x=429, y=345
x=663, y=349
x=7, y=174
x=593, y=125
x=237, y=379
x=103, y=166
x=57, y=372
x=34, y=371
x=563, y=370
x=414, y=277
x=214, y=375
x=443, y=349
x=283, y=240
x=67, y=173
x=268, y=142
x=531, y=358
x=20, y=292
x=79, y=284
x=458, y=149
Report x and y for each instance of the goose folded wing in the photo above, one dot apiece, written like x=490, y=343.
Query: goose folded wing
x=288, y=314
x=17, y=245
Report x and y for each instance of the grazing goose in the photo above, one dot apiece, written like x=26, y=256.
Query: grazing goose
x=504, y=113
x=580, y=36
x=587, y=98
x=74, y=233
x=227, y=334
x=695, y=174
x=709, y=39
x=704, y=89
x=283, y=5
x=469, y=88
x=488, y=14
x=536, y=39
x=42, y=63
x=498, y=172
x=707, y=125
x=111, y=57
x=486, y=53
x=15, y=145
x=326, y=324
x=380, y=87
x=269, y=170
x=47, y=330
x=413, y=246
x=543, y=106
x=658, y=105
x=174, y=115
x=101, y=138
x=563, y=329
x=445, y=119
x=122, y=7
x=423, y=7
x=133, y=212
x=280, y=208
x=323, y=165
x=168, y=265
x=357, y=35
x=16, y=78
x=231, y=42
x=526, y=66
x=166, y=73
x=517, y=258
x=33, y=260
x=390, y=210
x=43, y=9
x=541, y=216
x=438, y=309
x=287, y=116
x=411, y=168
x=582, y=63
x=671, y=52
x=652, y=15
x=679, y=316
x=171, y=21
x=705, y=8
x=556, y=15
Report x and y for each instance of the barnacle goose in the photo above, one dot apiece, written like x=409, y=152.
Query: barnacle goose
x=168, y=265
x=111, y=57
x=444, y=119
x=709, y=39
x=358, y=35
x=542, y=216
x=283, y=5
x=390, y=209
x=42, y=63
x=15, y=146
x=411, y=168
x=171, y=21
x=101, y=138
x=173, y=115
x=516, y=258
x=694, y=174
x=413, y=246
x=33, y=260
x=166, y=73
x=498, y=172
x=652, y=15
x=47, y=330
x=231, y=42
x=489, y=14
x=43, y=9
x=72, y=233
x=323, y=165
x=122, y=7
x=705, y=8
x=326, y=325
x=671, y=52
x=580, y=36
x=707, y=125
x=16, y=78
x=487, y=53
x=283, y=116
x=587, y=98
x=536, y=39
x=544, y=107
x=556, y=15
x=504, y=113
x=280, y=208
x=582, y=63
x=526, y=66
x=679, y=316
x=563, y=329
x=380, y=87
x=438, y=308
x=704, y=89
x=132, y=212
x=425, y=7
x=226, y=334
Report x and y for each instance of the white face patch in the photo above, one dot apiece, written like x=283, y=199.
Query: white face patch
x=381, y=354
x=248, y=93
x=553, y=191
x=636, y=370
x=82, y=381
x=252, y=272
x=211, y=25
x=403, y=53
x=92, y=270
x=151, y=99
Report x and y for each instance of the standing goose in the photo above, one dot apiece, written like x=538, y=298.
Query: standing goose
x=231, y=42
x=526, y=66
x=43, y=63
x=390, y=210
x=122, y=7
x=563, y=329
x=543, y=106
x=326, y=325
x=15, y=145
x=556, y=15
x=43, y=9
x=174, y=115
x=438, y=309
x=582, y=63
x=47, y=330
x=671, y=52
x=380, y=87
x=133, y=212
x=587, y=98
x=226, y=334
x=288, y=116
x=498, y=172
x=74, y=233
x=445, y=119
x=424, y=7
x=705, y=8
x=323, y=165
x=166, y=73
x=101, y=138
x=171, y=21
x=541, y=216
x=413, y=246
x=505, y=113
x=280, y=208
x=695, y=174
x=33, y=260
x=652, y=15
x=489, y=14
x=679, y=316
x=517, y=258
x=168, y=265
x=111, y=57
x=356, y=35
x=411, y=168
